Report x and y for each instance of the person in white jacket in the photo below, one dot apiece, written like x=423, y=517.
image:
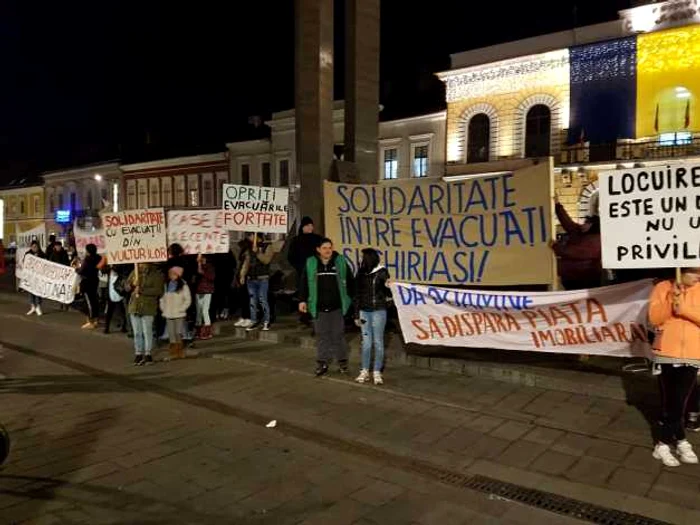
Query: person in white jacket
x=174, y=304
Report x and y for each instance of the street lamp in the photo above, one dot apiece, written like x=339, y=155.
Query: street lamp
x=98, y=177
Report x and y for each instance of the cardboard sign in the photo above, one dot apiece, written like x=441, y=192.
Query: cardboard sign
x=199, y=231
x=650, y=217
x=85, y=237
x=135, y=236
x=491, y=230
x=605, y=321
x=256, y=209
x=48, y=279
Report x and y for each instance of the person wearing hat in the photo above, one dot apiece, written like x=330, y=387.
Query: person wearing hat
x=302, y=247
x=174, y=304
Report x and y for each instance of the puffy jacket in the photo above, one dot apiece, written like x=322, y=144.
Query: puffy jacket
x=174, y=305
x=677, y=336
x=580, y=257
x=370, y=290
x=151, y=287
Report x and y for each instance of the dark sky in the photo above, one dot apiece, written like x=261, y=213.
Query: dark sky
x=88, y=81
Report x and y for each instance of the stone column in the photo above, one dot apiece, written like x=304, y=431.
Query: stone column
x=362, y=87
x=313, y=103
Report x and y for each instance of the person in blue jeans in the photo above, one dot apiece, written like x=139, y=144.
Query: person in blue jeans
x=370, y=301
x=146, y=285
x=256, y=274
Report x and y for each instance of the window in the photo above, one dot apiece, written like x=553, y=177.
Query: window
x=420, y=160
x=103, y=196
x=675, y=139
x=60, y=200
x=37, y=206
x=221, y=179
x=245, y=174
x=52, y=203
x=22, y=207
x=88, y=200
x=143, y=193
x=154, y=192
x=391, y=163
x=131, y=202
x=208, y=190
x=266, y=175
x=538, y=131
x=180, y=190
x=73, y=200
x=166, y=191
x=193, y=191
x=284, y=173
x=478, y=138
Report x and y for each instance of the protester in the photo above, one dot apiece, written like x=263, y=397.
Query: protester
x=177, y=258
x=580, y=263
x=674, y=310
x=174, y=304
x=205, y=288
x=59, y=255
x=34, y=300
x=118, y=297
x=301, y=248
x=371, y=291
x=240, y=298
x=256, y=273
x=50, y=245
x=89, y=282
x=326, y=295
x=146, y=286
x=692, y=416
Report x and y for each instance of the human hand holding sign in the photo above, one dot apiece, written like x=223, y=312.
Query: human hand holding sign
x=303, y=308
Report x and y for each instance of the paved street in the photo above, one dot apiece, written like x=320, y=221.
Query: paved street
x=96, y=440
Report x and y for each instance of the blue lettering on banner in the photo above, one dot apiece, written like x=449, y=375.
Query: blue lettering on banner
x=410, y=295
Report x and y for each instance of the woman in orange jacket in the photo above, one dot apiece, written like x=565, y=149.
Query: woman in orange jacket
x=674, y=310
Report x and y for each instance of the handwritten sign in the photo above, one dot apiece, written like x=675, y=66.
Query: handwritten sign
x=256, y=209
x=605, y=321
x=650, y=217
x=199, y=231
x=85, y=237
x=492, y=230
x=48, y=279
x=135, y=236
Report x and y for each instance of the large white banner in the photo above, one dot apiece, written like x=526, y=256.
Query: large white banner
x=135, y=236
x=650, y=217
x=48, y=279
x=257, y=208
x=199, y=231
x=608, y=321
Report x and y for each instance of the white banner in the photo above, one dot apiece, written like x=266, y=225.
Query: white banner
x=38, y=233
x=135, y=236
x=608, y=321
x=47, y=279
x=650, y=217
x=199, y=231
x=85, y=237
x=257, y=208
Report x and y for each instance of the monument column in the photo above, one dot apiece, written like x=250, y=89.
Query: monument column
x=313, y=103
x=362, y=87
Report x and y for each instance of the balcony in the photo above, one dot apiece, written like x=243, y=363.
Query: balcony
x=667, y=146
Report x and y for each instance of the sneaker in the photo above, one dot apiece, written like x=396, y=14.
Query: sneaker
x=663, y=453
x=148, y=360
x=321, y=369
x=240, y=322
x=138, y=360
x=685, y=452
x=31, y=310
x=692, y=424
x=38, y=311
x=247, y=323
x=252, y=326
x=266, y=327
x=378, y=379
x=88, y=326
x=363, y=377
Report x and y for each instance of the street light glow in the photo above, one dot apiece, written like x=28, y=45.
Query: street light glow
x=98, y=177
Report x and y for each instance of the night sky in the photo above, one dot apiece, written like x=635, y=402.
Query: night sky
x=89, y=81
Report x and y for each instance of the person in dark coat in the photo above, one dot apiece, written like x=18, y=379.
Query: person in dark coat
x=35, y=300
x=59, y=255
x=302, y=247
x=90, y=281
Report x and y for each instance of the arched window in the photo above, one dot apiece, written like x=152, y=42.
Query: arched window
x=538, y=131
x=478, y=138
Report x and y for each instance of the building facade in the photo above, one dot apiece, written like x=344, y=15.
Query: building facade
x=22, y=213
x=617, y=94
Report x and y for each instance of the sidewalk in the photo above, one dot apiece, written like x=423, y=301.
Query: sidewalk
x=577, y=445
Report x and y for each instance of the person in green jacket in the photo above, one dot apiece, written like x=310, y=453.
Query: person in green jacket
x=146, y=285
x=326, y=291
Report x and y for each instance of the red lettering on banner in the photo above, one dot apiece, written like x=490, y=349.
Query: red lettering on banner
x=422, y=334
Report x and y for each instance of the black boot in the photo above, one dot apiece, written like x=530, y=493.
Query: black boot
x=343, y=367
x=321, y=368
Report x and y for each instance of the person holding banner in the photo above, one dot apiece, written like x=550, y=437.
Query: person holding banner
x=326, y=293
x=674, y=310
x=371, y=292
x=205, y=288
x=34, y=300
x=256, y=273
x=59, y=255
x=146, y=286
x=89, y=272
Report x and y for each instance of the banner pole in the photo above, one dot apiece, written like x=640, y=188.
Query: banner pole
x=678, y=276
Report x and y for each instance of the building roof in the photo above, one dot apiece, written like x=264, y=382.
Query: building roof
x=24, y=181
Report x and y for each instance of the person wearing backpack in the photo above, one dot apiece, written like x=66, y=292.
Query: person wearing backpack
x=117, y=297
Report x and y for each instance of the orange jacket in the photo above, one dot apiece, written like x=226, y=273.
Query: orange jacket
x=677, y=335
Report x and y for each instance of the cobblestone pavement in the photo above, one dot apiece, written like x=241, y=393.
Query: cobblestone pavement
x=98, y=441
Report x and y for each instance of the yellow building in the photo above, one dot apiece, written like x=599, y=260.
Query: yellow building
x=22, y=212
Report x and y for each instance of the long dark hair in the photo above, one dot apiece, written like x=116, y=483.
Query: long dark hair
x=370, y=260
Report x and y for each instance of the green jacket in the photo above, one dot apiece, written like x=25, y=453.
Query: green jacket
x=312, y=283
x=151, y=284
